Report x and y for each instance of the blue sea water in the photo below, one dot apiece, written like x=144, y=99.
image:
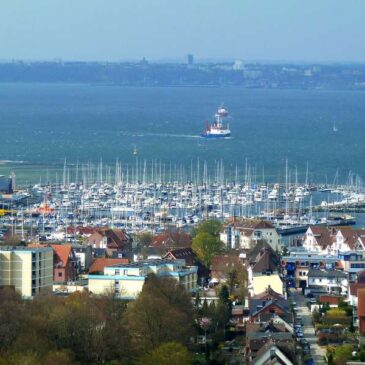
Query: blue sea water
x=42, y=124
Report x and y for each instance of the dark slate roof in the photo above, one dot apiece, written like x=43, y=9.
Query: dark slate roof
x=99, y=252
x=316, y=273
x=278, y=336
x=283, y=304
x=266, y=261
x=286, y=316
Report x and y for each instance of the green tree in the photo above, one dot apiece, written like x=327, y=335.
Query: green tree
x=232, y=279
x=162, y=312
x=167, y=354
x=205, y=247
x=224, y=294
x=211, y=226
x=144, y=239
x=11, y=316
x=342, y=354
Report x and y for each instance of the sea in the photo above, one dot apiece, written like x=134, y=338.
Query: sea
x=44, y=125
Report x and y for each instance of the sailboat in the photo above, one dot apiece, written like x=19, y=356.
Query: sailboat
x=335, y=129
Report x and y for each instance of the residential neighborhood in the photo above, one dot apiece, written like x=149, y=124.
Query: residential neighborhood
x=271, y=303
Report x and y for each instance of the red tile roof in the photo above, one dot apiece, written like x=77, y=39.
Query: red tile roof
x=172, y=239
x=99, y=264
x=222, y=263
x=351, y=236
x=323, y=235
x=81, y=230
x=63, y=253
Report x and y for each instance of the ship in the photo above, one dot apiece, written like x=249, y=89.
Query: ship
x=217, y=129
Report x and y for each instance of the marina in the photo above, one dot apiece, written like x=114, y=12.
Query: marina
x=153, y=198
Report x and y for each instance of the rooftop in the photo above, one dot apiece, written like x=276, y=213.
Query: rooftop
x=326, y=273
x=143, y=263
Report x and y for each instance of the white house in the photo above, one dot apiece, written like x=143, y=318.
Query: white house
x=328, y=281
x=245, y=233
x=332, y=241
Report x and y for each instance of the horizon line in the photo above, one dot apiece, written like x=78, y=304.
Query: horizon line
x=167, y=60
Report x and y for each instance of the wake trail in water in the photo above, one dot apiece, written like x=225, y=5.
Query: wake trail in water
x=159, y=135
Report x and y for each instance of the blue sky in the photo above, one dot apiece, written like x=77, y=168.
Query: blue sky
x=273, y=30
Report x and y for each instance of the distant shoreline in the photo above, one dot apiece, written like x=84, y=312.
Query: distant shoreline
x=300, y=76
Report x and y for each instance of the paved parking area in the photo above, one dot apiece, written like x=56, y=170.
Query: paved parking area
x=317, y=352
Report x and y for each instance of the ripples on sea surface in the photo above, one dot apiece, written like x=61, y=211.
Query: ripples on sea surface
x=42, y=124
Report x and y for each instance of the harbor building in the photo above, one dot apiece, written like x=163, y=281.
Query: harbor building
x=126, y=280
x=27, y=270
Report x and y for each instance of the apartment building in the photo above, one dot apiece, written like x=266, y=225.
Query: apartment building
x=27, y=270
x=126, y=280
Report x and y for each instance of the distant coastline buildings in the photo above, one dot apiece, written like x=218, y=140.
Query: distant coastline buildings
x=189, y=59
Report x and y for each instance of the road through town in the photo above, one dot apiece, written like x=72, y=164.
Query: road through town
x=317, y=352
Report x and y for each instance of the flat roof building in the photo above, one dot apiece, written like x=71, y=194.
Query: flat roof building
x=27, y=270
x=126, y=280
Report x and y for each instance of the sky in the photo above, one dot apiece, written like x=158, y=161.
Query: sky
x=114, y=30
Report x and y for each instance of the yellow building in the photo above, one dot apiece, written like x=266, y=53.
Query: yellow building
x=260, y=283
x=126, y=280
x=28, y=270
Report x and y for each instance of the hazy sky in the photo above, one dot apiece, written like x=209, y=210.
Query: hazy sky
x=296, y=30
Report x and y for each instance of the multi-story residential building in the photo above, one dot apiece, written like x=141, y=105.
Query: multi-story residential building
x=333, y=241
x=328, y=281
x=262, y=265
x=27, y=270
x=65, y=263
x=297, y=265
x=353, y=262
x=243, y=234
x=126, y=280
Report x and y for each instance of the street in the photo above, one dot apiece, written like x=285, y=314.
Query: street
x=308, y=329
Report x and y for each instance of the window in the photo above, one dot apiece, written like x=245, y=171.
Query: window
x=60, y=274
x=117, y=272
